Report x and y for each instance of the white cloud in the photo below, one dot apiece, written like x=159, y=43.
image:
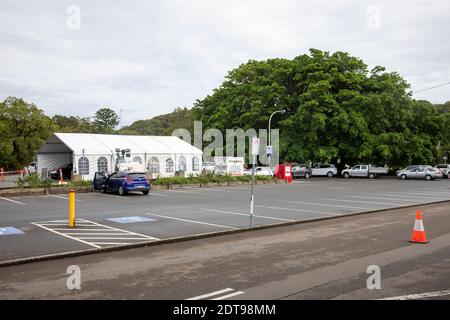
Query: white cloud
x=150, y=57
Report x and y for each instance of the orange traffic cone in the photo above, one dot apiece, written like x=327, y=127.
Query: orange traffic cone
x=418, y=235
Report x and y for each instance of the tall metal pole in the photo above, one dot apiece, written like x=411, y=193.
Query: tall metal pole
x=270, y=134
x=253, y=191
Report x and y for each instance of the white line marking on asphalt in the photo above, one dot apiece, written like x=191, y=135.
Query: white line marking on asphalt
x=299, y=210
x=229, y=295
x=106, y=235
x=383, y=198
x=66, y=224
x=415, y=194
x=332, y=205
x=110, y=196
x=180, y=191
x=65, y=235
x=412, y=197
x=447, y=193
x=62, y=197
x=420, y=295
x=159, y=195
x=246, y=214
x=14, y=201
x=96, y=233
x=121, y=230
x=328, y=205
x=192, y=221
x=108, y=238
x=357, y=201
x=65, y=229
x=216, y=190
x=215, y=293
x=111, y=243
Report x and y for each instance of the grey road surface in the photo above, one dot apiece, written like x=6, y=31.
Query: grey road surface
x=174, y=213
x=318, y=260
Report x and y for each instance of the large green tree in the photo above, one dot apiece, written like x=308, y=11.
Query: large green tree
x=23, y=129
x=337, y=110
x=105, y=120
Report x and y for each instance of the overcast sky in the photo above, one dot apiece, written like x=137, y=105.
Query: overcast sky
x=148, y=57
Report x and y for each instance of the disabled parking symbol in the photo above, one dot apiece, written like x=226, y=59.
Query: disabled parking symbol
x=133, y=219
x=5, y=231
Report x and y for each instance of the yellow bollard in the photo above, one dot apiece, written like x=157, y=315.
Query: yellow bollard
x=72, y=208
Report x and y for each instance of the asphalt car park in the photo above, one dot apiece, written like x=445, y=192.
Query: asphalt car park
x=37, y=225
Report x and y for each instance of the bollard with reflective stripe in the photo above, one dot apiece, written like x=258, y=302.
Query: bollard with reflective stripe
x=72, y=208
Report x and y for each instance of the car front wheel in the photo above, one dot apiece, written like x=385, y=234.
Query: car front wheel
x=330, y=174
x=146, y=192
x=403, y=176
x=307, y=175
x=346, y=175
x=428, y=177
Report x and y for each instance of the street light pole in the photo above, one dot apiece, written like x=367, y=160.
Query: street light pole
x=270, y=135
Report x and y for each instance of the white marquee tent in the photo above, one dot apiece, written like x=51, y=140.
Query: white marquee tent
x=90, y=153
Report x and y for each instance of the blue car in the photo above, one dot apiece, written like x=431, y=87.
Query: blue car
x=122, y=182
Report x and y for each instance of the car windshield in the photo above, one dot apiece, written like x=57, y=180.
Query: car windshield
x=136, y=176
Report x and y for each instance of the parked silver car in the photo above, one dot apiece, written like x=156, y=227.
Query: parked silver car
x=426, y=172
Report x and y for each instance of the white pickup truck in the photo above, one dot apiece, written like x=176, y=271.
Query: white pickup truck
x=365, y=171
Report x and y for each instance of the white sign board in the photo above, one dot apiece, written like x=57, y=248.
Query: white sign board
x=255, y=146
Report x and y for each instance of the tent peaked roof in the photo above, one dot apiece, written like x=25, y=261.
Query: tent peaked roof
x=106, y=144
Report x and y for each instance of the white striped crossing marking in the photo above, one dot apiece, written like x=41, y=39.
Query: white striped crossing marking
x=106, y=238
x=216, y=294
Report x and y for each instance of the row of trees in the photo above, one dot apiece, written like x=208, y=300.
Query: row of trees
x=337, y=111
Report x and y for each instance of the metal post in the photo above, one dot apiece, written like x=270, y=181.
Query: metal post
x=72, y=208
x=270, y=134
x=253, y=191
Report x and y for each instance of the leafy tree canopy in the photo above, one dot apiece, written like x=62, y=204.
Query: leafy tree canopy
x=337, y=110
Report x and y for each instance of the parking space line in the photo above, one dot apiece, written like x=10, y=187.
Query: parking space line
x=111, y=243
x=328, y=205
x=213, y=190
x=433, y=192
x=414, y=194
x=420, y=295
x=110, y=195
x=192, y=221
x=356, y=201
x=13, y=201
x=215, y=293
x=159, y=195
x=246, y=214
x=299, y=210
x=229, y=295
x=409, y=197
x=383, y=198
x=62, y=197
x=100, y=238
x=181, y=191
